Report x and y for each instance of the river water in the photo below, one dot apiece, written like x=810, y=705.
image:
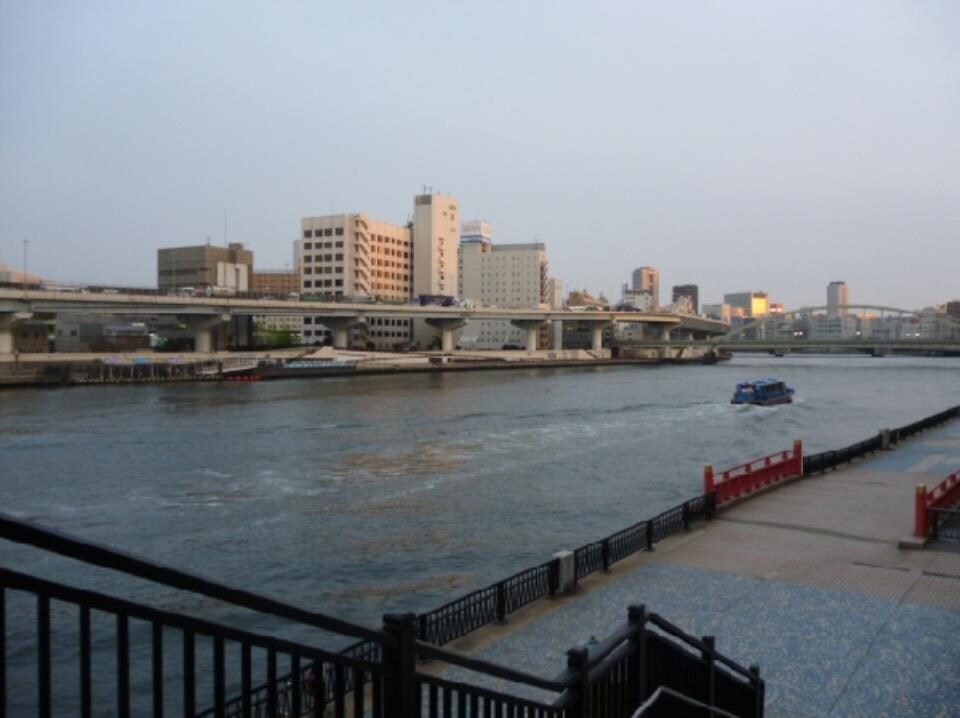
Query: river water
x=359, y=496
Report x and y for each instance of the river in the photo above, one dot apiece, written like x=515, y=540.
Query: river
x=359, y=496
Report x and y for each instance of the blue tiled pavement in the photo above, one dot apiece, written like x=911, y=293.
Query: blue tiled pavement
x=822, y=653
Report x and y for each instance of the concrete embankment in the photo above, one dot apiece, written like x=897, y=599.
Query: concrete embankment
x=150, y=367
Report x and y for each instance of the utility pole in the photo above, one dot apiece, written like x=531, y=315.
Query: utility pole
x=26, y=243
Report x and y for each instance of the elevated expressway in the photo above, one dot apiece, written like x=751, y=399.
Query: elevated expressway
x=202, y=314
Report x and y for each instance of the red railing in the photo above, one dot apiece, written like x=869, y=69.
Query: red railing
x=945, y=495
x=746, y=478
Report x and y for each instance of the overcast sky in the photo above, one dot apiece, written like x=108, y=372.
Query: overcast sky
x=738, y=145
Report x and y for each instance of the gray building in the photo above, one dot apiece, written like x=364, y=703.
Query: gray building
x=222, y=270
x=691, y=291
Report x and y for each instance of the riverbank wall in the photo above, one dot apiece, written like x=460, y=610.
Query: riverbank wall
x=50, y=370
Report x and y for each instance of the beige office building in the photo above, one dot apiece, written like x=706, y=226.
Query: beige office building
x=508, y=276
x=355, y=257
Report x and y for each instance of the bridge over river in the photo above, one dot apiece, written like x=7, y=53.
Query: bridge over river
x=856, y=327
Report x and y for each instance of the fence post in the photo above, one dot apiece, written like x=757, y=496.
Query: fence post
x=401, y=694
x=501, y=603
x=422, y=627
x=637, y=616
x=710, y=504
x=798, y=456
x=920, y=512
x=649, y=533
x=708, y=655
x=708, y=479
x=605, y=554
x=578, y=663
x=759, y=689
x=553, y=577
x=685, y=513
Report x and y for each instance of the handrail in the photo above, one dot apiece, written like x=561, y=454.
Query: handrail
x=428, y=650
x=89, y=552
x=759, y=462
x=110, y=604
x=676, y=632
x=616, y=639
x=664, y=690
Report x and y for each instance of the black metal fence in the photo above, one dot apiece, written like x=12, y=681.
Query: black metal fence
x=495, y=602
x=128, y=658
x=825, y=460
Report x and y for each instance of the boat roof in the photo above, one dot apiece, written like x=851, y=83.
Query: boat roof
x=761, y=382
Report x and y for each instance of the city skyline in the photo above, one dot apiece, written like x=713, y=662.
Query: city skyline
x=833, y=157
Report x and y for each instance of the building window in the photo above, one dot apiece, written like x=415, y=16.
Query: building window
x=339, y=231
x=338, y=244
x=328, y=232
x=308, y=284
x=339, y=257
x=307, y=245
x=306, y=233
x=338, y=282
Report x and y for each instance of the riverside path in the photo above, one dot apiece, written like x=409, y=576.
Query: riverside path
x=807, y=580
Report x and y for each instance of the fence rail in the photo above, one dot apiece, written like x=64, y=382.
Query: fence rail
x=744, y=479
x=826, y=460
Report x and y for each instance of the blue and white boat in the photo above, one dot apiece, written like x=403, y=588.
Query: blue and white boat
x=762, y=392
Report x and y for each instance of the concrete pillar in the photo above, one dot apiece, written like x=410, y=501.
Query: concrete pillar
x=7, y=323
x=448, y=327
x=340, y=326
x=446, y=338
x=532, y=329
x=596, y=336
x=202, y=330
x=532, y=334
x=665, y=331
x=567, y=574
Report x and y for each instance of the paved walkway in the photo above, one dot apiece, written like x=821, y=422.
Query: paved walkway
x=807, y=581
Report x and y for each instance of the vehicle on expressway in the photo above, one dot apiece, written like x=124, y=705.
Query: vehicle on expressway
x=762, y=392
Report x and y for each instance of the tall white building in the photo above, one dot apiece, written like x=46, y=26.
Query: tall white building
x=436, y=241
x=837, y=296
x=647, y=279
x=509, y=276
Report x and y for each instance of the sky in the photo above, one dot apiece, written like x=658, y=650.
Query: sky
x=739, y=146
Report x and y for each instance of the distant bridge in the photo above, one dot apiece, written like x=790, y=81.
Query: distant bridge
x=877, y=347
x=758, y=335
x=760, y=323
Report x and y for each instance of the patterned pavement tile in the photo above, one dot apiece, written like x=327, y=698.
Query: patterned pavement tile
x=821, y=652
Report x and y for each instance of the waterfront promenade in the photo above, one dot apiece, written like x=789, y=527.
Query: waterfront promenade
x=807, y=580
